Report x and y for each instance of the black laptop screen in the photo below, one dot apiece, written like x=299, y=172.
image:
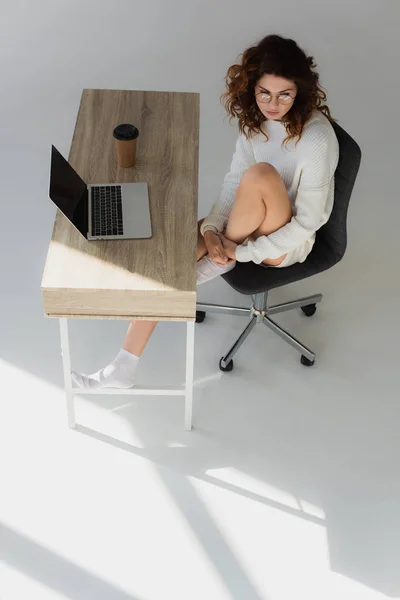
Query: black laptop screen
x=69, y=192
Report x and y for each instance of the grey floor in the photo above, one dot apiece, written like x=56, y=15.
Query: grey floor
x=287, y=469
x=288, y=486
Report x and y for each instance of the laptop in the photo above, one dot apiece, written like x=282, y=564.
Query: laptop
x=110, y=211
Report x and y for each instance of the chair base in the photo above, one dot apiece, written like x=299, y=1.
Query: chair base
x=260, y=312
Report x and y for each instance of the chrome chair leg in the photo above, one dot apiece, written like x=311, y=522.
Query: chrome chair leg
x=226, y=310
x=289, y=339
x=279, y=308
x=225, y=360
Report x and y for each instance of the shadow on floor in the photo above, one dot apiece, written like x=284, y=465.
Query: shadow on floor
x=53, y=571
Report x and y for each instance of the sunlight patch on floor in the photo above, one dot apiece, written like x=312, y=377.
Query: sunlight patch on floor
x=17, y=586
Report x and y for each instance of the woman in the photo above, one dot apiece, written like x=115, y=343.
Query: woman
x=280, y=186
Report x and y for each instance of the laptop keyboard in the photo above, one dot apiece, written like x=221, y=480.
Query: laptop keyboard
x=107, y=210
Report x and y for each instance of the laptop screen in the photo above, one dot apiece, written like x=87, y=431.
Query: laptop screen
x=69, y=192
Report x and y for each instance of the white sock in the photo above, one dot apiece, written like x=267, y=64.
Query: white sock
x=208, y=270
x=120, y=373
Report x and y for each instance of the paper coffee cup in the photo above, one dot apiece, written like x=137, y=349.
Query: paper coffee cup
x=125, y=136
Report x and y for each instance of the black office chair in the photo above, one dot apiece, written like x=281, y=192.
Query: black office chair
x=329, y=248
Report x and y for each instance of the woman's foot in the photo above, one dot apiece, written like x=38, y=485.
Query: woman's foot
x=120, y=373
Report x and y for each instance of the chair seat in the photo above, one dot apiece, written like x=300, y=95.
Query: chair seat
x=249, y=278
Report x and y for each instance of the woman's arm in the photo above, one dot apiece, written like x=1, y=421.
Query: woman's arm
x=313, y=204
x=242, y=159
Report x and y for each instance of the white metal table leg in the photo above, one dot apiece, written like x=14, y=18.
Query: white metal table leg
x=188, y=391
x=67, y=372
x=189, y=374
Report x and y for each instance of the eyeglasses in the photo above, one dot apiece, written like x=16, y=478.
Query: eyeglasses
x=265, y=98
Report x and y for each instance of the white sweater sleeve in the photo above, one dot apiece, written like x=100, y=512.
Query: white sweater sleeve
x=242, y=159
x=312, y=206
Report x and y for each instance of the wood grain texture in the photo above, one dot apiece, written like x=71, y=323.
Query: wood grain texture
x=152, y=278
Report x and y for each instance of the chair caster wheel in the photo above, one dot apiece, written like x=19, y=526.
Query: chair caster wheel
x=228, y=367
x=309, y=310
x=200, y=316
x=306, y=361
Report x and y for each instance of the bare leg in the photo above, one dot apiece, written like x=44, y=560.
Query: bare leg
x=139, y=332
x=262, y=206
x=137, y=336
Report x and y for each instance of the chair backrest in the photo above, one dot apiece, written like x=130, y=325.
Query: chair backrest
x=334, y=232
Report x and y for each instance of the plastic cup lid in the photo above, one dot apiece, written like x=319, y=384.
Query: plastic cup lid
x=125, y=131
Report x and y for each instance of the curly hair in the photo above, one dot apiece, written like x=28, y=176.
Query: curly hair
x=279, y=56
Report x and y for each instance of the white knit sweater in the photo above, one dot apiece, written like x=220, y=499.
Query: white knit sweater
x=307, y=170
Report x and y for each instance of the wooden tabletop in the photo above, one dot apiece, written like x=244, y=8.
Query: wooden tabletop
x=151, y=278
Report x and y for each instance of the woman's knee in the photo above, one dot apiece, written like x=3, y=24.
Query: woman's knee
x=259, y=172
x=266, y=180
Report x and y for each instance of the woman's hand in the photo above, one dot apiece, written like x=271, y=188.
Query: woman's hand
x=216, y=249
x=229, y=247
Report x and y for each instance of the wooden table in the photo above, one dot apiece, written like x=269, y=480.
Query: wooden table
x=153, y=279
